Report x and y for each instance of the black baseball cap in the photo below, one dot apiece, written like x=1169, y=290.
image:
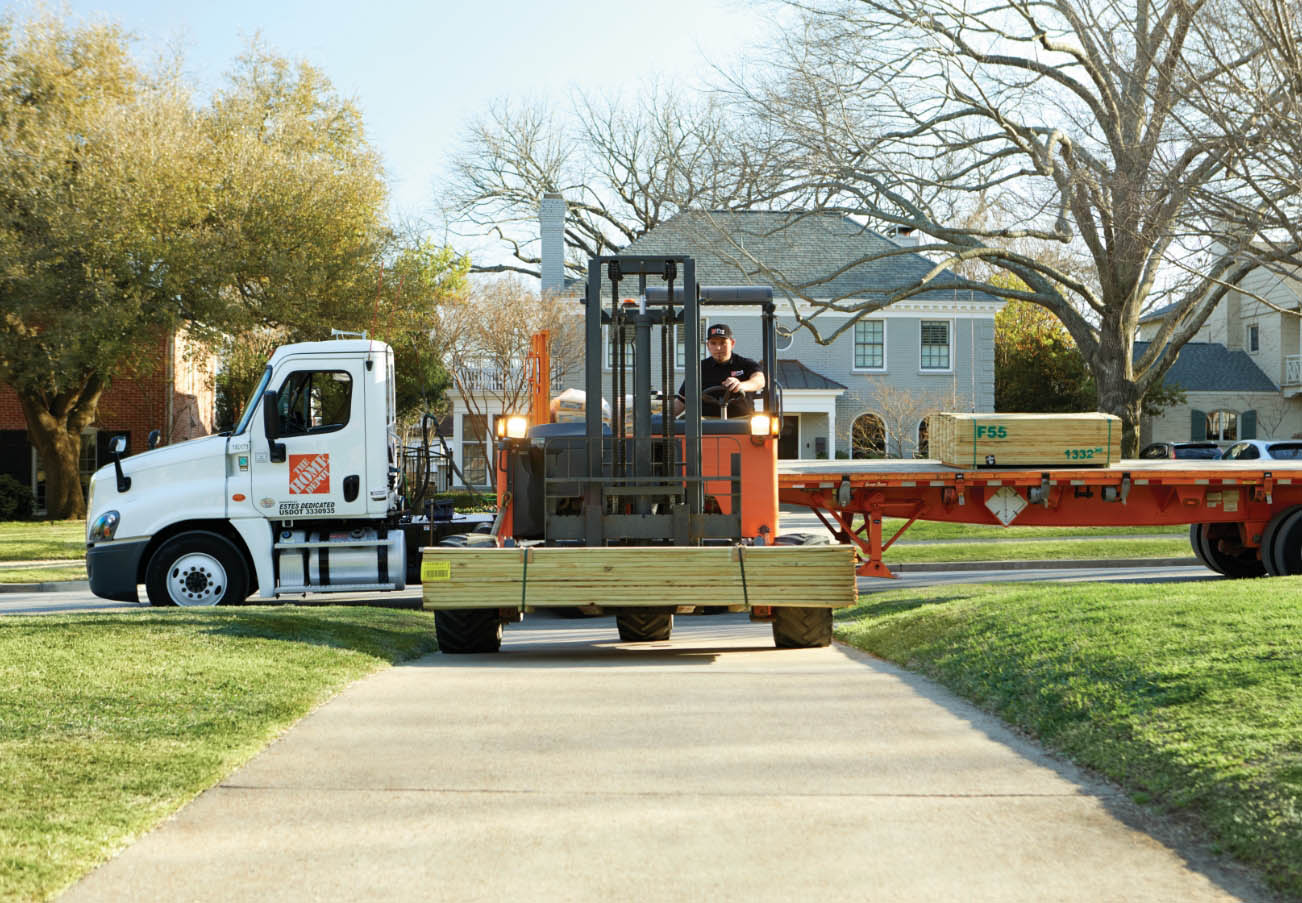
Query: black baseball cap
x=718, y=330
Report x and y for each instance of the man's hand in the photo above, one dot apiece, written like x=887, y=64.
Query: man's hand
x=732, y=384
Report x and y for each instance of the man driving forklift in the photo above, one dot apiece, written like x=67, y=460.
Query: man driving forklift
x=727, y=379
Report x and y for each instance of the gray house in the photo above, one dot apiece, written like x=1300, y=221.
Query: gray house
x=868, y=391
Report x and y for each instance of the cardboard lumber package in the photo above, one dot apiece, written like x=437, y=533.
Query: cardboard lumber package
x=1024, y=440
x=636, y=576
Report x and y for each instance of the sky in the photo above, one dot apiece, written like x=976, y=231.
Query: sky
x=421, y=70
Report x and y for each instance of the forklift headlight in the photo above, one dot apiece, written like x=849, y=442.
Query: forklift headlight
x=104, y=527
x=763, y=425
x=512, y=426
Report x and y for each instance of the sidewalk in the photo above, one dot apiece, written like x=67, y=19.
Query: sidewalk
x=571, y=767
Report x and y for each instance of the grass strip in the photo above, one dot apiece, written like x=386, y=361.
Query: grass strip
x=109, y=723
x=36, y=540
x=924, y=530
x=1185, y=695
x=48, y=573
x=1049, y=550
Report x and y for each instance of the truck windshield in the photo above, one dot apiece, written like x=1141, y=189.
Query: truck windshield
x=253, y=401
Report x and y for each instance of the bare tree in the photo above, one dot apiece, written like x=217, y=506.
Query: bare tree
x=899, y=412
x=1114, y=157
x=623, y=167
x=485, y=340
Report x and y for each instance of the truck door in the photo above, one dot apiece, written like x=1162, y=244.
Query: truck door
x=322, y=412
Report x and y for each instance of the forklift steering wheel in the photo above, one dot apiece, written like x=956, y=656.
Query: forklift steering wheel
x=721, y=396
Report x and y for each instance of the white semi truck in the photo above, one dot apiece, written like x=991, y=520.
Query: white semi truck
x=302, y=495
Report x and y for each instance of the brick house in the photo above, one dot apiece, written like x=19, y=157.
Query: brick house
x=177, y=399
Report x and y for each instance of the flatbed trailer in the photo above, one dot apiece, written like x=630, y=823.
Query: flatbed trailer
x=1245, y=517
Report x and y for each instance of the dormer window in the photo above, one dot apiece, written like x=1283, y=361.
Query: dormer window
x=1252, y=341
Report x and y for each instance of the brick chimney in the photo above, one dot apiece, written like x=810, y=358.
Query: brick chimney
x=551, y=229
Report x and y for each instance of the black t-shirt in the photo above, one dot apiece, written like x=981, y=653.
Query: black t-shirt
x=713, y=374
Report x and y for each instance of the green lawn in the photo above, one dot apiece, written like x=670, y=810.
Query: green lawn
x=923, y=530
x=109, y=722
x=1185, y=695
x=46, y=573
x=37, y=540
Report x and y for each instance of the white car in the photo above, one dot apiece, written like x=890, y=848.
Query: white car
x=1254, y=449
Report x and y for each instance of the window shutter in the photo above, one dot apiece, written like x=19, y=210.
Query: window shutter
x=1248, y=425
x=16, y=455
x=1197, y=425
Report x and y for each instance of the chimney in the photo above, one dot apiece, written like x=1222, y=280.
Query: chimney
x=551, y=229
x=905, y=236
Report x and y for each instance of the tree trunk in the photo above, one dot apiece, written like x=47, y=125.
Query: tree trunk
x=1117, y=396
x=54, y=426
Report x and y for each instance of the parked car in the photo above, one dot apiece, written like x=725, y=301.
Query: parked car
x=1207, y=451
x=1253, y=449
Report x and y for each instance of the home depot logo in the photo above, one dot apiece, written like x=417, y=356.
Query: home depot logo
x=309, y=474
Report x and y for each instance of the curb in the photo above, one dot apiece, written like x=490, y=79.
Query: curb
x=58, y=586
x=921, y=568
x=1045, y=564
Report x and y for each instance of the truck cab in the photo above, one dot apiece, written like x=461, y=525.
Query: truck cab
x=301, y=496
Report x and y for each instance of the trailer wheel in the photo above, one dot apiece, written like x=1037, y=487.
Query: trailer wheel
x=644, y=626
x=468, y=631
x=1268, y=537
x=197, y=569
x=1238, y=566
x=801, y=628
x=1286, y=549
x=1196, y=543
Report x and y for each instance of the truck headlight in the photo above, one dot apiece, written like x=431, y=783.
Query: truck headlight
x=104, y=527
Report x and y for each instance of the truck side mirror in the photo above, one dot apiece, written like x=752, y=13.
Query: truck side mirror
x=117, y=445
x=152, y=441
x=271, y=426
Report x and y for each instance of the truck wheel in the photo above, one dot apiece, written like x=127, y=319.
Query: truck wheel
x=1238, y=565
x=1268, y=541
x=1196, y=543
x=196, y=569
x=801, y=628
x=1286, y=549
x=468, y=631
x=644, y=626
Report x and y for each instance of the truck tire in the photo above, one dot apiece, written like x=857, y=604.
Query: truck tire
x=1286, y=549
x=1238, y=566
x=1196, y=543
x=801, y=628
x=197, y=569
x=469, y=631
x=1268, y=541
x=644, y=626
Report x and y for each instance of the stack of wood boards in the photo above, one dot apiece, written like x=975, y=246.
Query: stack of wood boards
x=1034, y=440
x=638, y=576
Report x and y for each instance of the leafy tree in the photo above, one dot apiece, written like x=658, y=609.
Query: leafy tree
x=125, y=212
x=1038, y=368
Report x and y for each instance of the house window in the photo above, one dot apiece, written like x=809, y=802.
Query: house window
x=680, y=339
x=474, y=458
x=1223, y=426
x=1253, y=339
x=785, y=336
x=935, y=345
x=870, y=345
x=629, y=347
x=868, y=437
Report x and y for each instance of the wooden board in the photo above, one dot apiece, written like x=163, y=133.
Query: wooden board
x=1022, y=440
x=639, y=576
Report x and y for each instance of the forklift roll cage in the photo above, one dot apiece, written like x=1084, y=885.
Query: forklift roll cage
x=652, y=460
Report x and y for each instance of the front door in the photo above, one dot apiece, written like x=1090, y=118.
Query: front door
x=322, y=412
x=789, y=439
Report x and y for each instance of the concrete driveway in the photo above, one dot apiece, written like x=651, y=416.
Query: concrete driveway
x=712, y=767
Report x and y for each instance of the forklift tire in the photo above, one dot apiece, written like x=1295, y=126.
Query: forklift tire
x=468, y=631
x=644, y=626
x=801, y=628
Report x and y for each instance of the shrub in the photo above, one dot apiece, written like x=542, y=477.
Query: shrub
x=16, y=500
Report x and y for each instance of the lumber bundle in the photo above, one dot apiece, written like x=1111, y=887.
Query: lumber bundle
x=638, y=576
x=1027, y=440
